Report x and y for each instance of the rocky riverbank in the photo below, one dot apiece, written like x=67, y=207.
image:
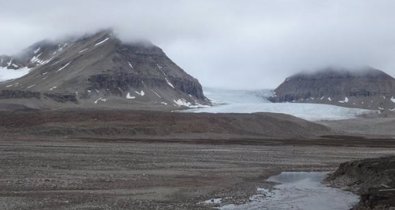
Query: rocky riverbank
x=372, y=179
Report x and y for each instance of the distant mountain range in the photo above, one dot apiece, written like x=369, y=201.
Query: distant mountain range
x=366, y=88
x=98, y=70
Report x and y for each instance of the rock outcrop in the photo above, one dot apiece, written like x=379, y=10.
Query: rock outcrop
x=100, y=70
x=364, y=88
x=373, y=179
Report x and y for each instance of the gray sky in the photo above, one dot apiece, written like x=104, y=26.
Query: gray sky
x=224, y=43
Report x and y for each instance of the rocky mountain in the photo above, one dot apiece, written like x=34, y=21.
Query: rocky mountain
x=98, y=70
x=364, y=88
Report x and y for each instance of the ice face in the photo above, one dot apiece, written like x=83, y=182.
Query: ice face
x=299, y=190
x=220, y=96
x=239, y=101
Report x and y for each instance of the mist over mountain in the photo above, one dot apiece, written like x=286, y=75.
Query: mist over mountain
x=366, y=87
x=98, y=70
x=254, y=44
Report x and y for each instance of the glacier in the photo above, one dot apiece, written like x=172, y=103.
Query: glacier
x=250, y=101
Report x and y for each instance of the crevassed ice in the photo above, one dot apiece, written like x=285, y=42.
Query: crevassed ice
x=244, y=101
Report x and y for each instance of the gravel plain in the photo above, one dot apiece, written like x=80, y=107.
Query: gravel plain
x=79, y=174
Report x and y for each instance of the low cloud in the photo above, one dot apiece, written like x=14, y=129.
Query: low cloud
x=224, y=43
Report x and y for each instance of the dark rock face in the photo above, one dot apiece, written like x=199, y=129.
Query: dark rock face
x=10, y=62
x=116, y=83
x=373, y=179
x=101, y=69
x=191, y=87
x=62, y=98
x=365, y=88
x=19, y=94
x=38, y=54
x=119, y=83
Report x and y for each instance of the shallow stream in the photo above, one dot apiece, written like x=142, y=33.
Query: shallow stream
x=299, y=190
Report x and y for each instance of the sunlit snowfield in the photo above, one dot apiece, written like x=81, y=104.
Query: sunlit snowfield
x=247, y=101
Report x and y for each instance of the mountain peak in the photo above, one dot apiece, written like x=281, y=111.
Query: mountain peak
x=100, y=70
x=101, y=34
x=341, y=71
x=106, y=31
x=365, y=87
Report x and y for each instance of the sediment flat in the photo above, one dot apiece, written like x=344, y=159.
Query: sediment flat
x=121, y=160
x=74, y=174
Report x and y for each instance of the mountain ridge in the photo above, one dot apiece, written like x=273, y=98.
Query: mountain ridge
x=101, y=69
x=367, y=88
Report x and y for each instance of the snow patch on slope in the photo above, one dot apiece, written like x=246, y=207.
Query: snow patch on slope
x=213, y=201
x=83, y=50
x=36, y=60
x=101, y=42
x=100, y=99
x=169, y=83
x=130, y=64
x=63, y=67
x=184, y=103
x=128, y=96
x=141, y=93
x=344, y=101
x=9, y=74
x=31, y=86
x=37, y=50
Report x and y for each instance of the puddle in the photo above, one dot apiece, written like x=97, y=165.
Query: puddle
x=298, y=190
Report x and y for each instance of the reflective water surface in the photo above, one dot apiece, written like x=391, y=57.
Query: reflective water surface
x=299, y=190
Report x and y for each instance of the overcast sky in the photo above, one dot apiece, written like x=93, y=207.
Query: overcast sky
x=224, y=43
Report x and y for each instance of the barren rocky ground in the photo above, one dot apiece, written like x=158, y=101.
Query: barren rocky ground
x=373, y=179
x=138, y=160
x=76, y=174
